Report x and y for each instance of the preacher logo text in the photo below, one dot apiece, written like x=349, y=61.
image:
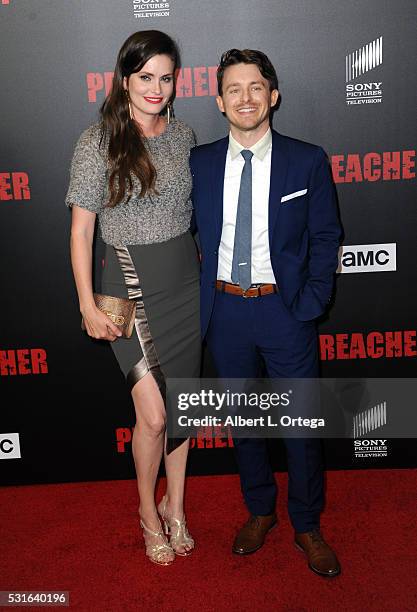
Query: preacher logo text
x=373, y=166
x=207, y=437
x=23, y=361
x=374, y=345
x=14, y=186
x=197, y=81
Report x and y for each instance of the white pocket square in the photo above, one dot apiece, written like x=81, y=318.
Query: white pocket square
x=296, y=194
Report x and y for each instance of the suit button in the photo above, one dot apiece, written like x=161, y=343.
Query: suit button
x=215, y=252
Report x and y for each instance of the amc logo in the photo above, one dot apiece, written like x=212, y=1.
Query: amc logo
x=9, y=446
x=368, y=258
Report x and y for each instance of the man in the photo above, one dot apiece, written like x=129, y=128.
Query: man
x=267, y=219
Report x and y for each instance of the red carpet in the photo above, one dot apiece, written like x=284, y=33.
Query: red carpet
x=84, y=538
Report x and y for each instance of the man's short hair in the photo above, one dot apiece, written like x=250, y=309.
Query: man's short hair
x=247, y=56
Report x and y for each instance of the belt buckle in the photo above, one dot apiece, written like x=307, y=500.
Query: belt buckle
x=250, y=296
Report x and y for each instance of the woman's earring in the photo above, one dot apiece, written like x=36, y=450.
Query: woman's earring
x=170, y=112
x=131, y=115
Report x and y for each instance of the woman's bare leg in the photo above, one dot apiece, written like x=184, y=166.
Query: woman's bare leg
x=148, y=444
x=148, y=447
x=175, y=464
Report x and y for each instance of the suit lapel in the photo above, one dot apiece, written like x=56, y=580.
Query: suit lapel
x=217, y=183
x=279, y=168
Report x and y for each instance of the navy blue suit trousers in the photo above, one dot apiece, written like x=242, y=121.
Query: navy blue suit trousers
x=243, y=333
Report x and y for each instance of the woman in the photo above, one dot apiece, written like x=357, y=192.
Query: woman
x=131, y=170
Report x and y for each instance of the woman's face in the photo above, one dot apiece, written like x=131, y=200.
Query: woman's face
x=151, y=88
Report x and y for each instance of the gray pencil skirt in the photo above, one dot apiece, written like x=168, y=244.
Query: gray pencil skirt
x=163, y=279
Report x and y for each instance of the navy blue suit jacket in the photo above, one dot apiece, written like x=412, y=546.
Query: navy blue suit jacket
x=304, y=231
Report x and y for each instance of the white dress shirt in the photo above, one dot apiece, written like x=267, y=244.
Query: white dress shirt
x=261, y=269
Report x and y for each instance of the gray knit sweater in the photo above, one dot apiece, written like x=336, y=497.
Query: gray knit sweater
x=153, y=218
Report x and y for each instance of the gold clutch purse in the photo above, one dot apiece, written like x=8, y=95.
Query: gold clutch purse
x=120, y=310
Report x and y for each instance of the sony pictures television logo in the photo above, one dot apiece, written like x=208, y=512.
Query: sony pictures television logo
x=143, y=9
x=370, y=448
x=10, y=446
x=358, y=64
x=364, y=423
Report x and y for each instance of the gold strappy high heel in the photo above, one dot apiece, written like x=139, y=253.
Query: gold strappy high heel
x=177, y=530
x=161, y=554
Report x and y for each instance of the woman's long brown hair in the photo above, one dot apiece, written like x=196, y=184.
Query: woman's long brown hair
x=126, y=148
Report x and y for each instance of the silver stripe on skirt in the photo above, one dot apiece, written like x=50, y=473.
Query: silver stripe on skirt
x=149, y=362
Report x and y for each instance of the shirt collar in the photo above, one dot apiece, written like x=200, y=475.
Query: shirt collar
x=259, y=149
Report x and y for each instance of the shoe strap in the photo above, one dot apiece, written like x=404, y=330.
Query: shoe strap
x=179, y=526
x=158, y=548
x=181, y=534
x=154, y=533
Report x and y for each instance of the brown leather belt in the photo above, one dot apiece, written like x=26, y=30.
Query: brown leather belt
x=252, y=292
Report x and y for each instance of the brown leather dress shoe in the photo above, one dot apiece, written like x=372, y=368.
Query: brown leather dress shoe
x=252, y=535
x=321, y=558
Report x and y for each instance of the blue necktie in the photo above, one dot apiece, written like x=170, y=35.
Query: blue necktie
x=242, y=250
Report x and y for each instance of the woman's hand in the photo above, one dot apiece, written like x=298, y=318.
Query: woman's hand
x=99, y=326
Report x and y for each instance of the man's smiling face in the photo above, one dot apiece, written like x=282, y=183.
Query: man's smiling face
x=246, y=98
